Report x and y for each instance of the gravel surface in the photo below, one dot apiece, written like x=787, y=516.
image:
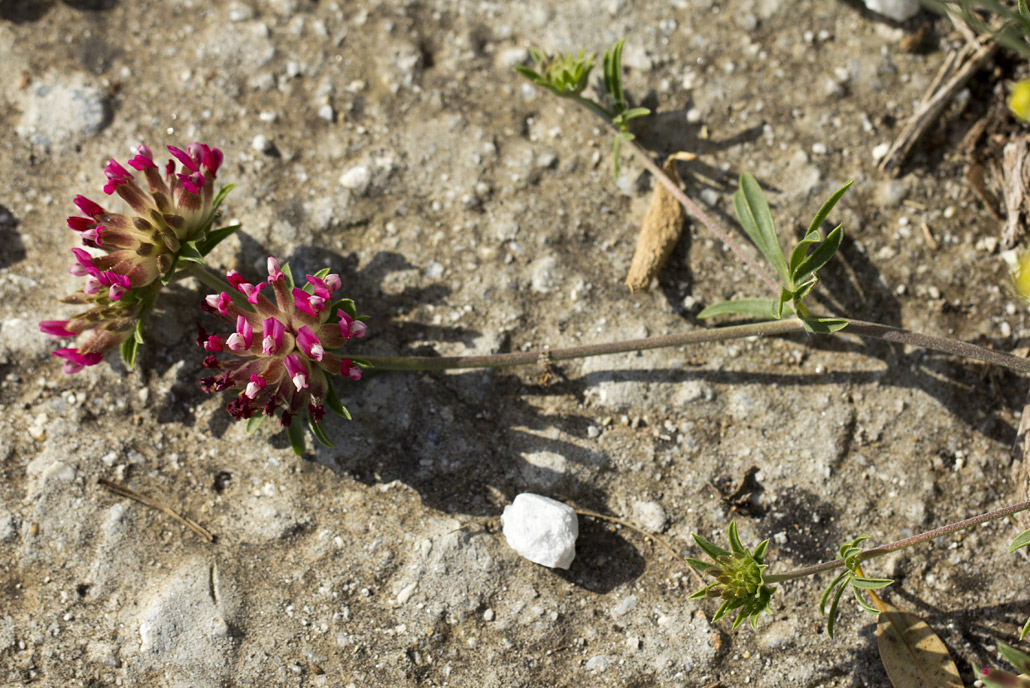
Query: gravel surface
x=470, y=212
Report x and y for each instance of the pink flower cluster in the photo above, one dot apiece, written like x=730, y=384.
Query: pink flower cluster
x=280, y=349
x=137, y=249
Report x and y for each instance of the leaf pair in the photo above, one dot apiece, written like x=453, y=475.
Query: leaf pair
x=850, y=577
x=799, y=274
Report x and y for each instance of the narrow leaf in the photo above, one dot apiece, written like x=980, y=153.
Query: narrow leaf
x=1021, y=541
x=215, y=237
x=831, y=621
x=870, y=583
x=333, y=401
x=912, y=653
x=703, y=592
x=1018, y=659
x=838, y=580
x=1026, y=629
x=709, y=548
x=319, y=433
x=220, y=196
x=735, y=544
x=701, y=566
x=295, y=431
x=756, y=218
x=254, y=422
x=288, y=272
x=824, y=211
x=755, y=308
x=188, y=251
x=819, y=257
x=128, y=350
x=801, y=250
x=1024, y=11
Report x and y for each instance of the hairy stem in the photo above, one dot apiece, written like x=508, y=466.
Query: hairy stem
x=765, y=329
x=900, y=544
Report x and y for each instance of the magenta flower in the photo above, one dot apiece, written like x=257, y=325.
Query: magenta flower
x=172, y=218
x=282, y=350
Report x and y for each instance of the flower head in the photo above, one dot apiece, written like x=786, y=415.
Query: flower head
x=282, y=346
x=174, y=213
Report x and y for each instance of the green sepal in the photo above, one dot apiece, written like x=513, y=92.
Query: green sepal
x=296, y=434
x=285, y=269
x=333, y=402
x=1018, y=659
x=824, y=325
x=254, y=422
x=819, y=257
x=1022, y=540
x=710, y=548
x=319, y=433
x=189, y=251
x=764, y=309
x=348, y=307
x=214, y=238
x=755, y=217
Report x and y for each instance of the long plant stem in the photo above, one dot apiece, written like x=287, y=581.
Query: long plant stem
x=764, y=329
x=900, y=544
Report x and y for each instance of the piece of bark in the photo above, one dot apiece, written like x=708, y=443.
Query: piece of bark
x=1014, y=176
x=1021, y=465
x=660, y=230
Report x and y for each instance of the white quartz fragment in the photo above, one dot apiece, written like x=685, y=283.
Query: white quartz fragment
x=541, y=529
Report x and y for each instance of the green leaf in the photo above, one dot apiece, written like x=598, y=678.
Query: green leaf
x=819, y=257
x=616, y=143
x=755, y=308
x=757, y=220
x=759, y=553
x=333, y=402
x=824, y=325
x=703, y=592
x=530, y=73
x=735, y=543
x=831, y=620
x=1024, y=11
x=129, y=349
x=824, y=211
x=870, y=583
x=295, y=431
x=254, y=422
x=709, y=548
x=1022, y=540
x=837, y=580
x=215, y=237
x=1026, y=629
x=189, y=251
x=285, y=268
x=613, y=75
x=1014, y=657
x=220, y=196
x=801, y=250
x=319, y=433
x=701, y=566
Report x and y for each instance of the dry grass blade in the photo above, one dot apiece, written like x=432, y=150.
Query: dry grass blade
x=198, y=529
x=1021, y=465
x=913, y=655
x=660, y=230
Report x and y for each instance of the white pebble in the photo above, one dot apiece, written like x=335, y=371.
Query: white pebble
x=541, y=529
x=357, y=179
x=261, y=144
x=898, y=10
x=880, y=151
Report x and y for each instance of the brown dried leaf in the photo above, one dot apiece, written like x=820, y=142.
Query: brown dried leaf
x=1021, y=465
x=659, y=232
x=911, y=652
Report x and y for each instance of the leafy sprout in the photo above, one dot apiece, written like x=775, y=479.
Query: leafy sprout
x=998, y=678
x=798, y=274
x=567, y=75
x=739, y=580
x=851, y=577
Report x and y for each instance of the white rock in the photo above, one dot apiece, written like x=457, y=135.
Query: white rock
x=356, y=179
x=898, y=10
x=541, y=529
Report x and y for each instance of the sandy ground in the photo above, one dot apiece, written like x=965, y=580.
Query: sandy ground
x=469, y=212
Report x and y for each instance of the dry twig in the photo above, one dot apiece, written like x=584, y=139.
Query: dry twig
x=198, y=529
